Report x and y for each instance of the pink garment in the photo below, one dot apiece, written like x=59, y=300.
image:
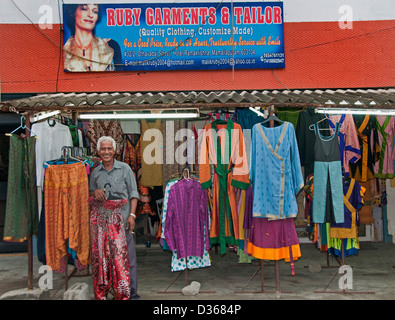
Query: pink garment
x=351, y=151
x=384, y=168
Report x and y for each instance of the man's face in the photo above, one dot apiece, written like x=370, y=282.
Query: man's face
x=106, y=151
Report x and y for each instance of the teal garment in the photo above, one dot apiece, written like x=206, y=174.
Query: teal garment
x=275, y=171
x=247, y=118
x=328, y=204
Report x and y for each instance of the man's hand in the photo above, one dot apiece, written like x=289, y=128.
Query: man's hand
x=130, y=224
x=99, y=195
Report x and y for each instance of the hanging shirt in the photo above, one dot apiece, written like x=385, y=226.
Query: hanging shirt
x=275, y=171
x=187, y=218
x=152, y=153
x=247, y=119
x=353, y=201
x=99, y=128
x=223, y=144
x=49, y=144
x=384, y=167
x=190, y=262
x=348, y=138
x=132, y=156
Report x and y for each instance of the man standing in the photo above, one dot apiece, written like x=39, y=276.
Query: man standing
x=123, y=185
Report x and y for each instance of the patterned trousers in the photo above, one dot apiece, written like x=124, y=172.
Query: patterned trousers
x=110, y=262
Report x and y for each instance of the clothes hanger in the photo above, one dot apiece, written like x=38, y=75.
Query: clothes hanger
x=53, y=121
x=186, y=174
x=222, y=116
x=110, y=195
x=311, y=127
x=22, y=126
x=272, y=117
x=64, y=158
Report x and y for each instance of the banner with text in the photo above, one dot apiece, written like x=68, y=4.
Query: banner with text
x=189, y=36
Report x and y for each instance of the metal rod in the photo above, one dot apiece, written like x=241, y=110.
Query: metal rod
x=278, y=276
x=7, y=107
x=252, y=277
x=30, y=263
x=172, y=282
x=30, y=240
x=262, y=277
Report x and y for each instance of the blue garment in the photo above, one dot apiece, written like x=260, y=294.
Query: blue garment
x=275, y=171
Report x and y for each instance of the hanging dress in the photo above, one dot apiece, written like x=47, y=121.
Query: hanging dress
x=362, y=170
x=277, y=178
x=110, y=262
x=190, y=262
x=344, y=236
x=132, y=156
x=328, y=185
x=353, y=200
x=151, y=153
x=384, y=167
x=223, y=144
x=348, y=139
x=275, y=171
x=21, y=216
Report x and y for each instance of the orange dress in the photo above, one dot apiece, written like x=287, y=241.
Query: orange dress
x=223, y=145
x=133, y=159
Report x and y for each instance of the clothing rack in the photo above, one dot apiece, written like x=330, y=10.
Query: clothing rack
x=277, y=279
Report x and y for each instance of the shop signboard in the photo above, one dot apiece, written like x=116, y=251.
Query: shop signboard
x=174, y=36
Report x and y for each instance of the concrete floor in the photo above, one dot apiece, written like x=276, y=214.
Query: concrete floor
x=372, y=270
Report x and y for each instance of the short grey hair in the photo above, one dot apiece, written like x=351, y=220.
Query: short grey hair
x=106, y=138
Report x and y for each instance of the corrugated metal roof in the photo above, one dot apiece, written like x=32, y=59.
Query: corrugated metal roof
x=372, y=98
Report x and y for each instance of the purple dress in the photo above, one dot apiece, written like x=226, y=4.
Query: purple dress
x=187, y=218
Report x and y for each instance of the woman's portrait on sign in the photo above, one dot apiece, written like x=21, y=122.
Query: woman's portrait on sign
x=84, y=51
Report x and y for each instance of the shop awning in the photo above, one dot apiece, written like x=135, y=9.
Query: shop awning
x=383, y=98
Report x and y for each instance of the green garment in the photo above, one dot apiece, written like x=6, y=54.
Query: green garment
x=224, y=205
x=291, y=115
x=21, y=218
